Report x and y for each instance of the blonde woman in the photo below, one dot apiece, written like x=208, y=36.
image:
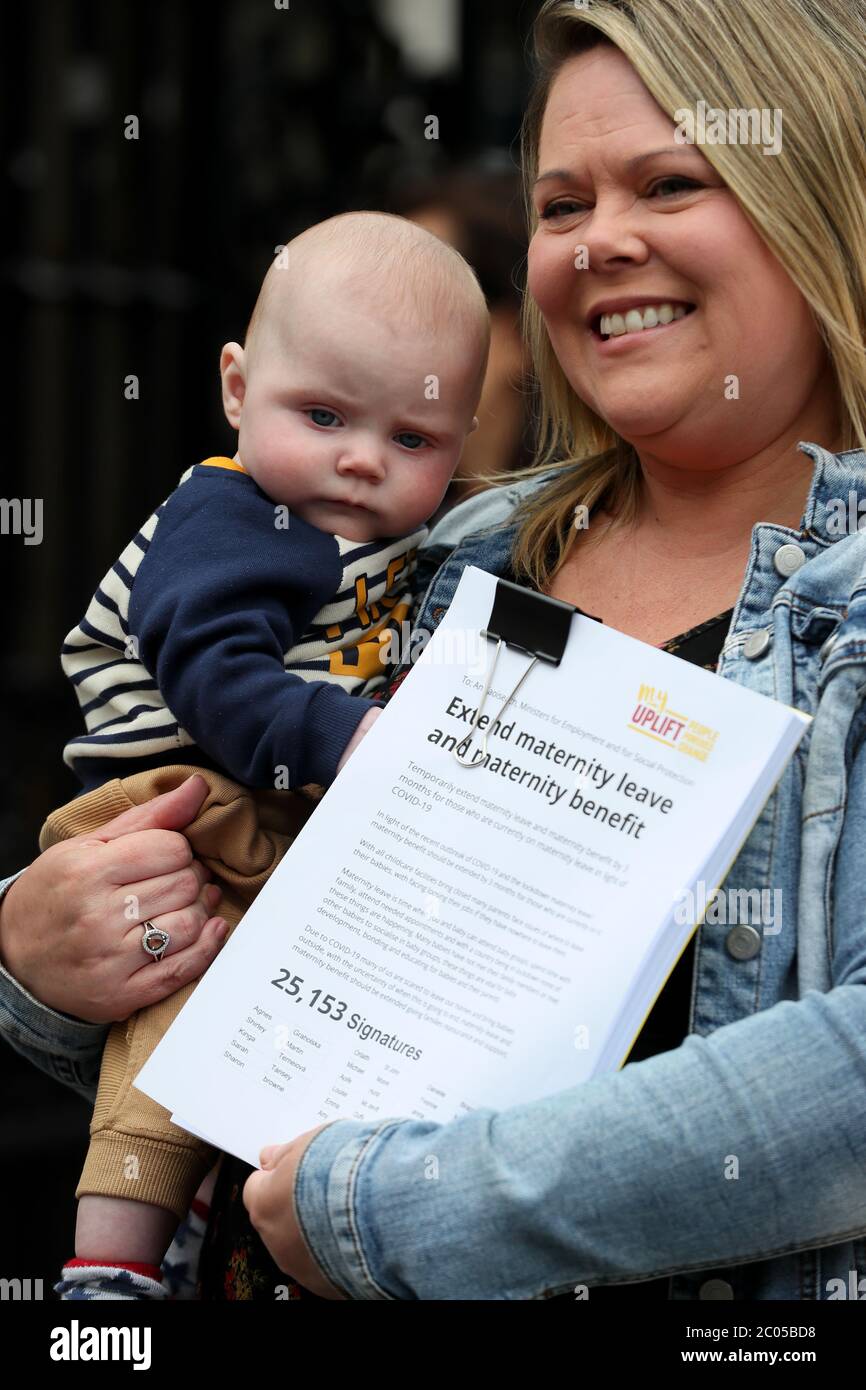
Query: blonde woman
x=696, y=314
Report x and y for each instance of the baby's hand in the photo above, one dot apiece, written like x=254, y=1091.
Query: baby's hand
x=363, y=728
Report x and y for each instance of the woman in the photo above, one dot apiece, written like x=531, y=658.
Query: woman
x=728, y=1164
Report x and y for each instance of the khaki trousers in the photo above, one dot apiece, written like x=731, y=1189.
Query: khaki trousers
x=240, y=834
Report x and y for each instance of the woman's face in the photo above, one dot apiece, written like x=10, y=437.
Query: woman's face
x=664, y=228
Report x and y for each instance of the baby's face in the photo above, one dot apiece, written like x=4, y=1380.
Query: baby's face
x=353, y=418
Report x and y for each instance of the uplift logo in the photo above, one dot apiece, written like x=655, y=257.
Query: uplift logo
x=653, y=717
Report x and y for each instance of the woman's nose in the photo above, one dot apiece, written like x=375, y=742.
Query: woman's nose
x=612, y=232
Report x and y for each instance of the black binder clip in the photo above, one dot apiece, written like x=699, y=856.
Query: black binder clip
x=529, y=622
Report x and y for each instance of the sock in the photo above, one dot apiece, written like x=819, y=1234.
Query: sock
x=105, y=1279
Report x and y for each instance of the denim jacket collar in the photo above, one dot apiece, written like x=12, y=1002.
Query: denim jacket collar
x=836, y=479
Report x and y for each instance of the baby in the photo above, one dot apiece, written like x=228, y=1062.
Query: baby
x=242, y=629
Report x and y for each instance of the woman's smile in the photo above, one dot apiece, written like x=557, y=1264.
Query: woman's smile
x=623, y=340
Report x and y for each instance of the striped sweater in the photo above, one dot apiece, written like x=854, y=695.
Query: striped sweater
x=231, y=634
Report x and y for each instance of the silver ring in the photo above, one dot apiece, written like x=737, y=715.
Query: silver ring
x=154, y=940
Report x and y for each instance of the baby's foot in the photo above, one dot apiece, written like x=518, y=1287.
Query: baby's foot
x=87, y=1279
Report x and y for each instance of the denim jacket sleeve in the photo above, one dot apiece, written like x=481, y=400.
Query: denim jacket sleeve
x=66, y=1048
x=626, y=1177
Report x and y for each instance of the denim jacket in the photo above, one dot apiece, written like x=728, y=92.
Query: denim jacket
x=734, y=1164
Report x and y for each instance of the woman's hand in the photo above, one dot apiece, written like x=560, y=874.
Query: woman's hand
x=70, y=926
x=269, y=1199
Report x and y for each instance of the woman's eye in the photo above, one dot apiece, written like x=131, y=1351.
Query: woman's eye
x=407, y=436
x=318, y=411
x=686, y=183
x=563, y=206
x=556, y=209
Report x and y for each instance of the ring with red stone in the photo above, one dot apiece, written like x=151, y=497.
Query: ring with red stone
x=154, y=940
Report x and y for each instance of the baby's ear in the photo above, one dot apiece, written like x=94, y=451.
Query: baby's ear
x=234, y=386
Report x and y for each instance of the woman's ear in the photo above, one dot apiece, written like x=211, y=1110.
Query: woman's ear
x=474, y=426
x=234, y=386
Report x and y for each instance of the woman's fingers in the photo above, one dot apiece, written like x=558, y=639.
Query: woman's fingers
x=126, y=978
x=183, y=926
x=157, y=979
x=156, y=897
x=66, y=919
x=172, y=811
x=272, y=1153
x=268, y=1197
x=132, y=858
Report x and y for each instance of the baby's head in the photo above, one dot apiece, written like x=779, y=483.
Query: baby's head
x=360, y=375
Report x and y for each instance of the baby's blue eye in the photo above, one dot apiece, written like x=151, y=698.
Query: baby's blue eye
x=320, y=410
x=409, y=434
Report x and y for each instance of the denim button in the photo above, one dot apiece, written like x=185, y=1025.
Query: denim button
x=743, y=942
x=437, y=614
x=756, y=644
x=715, y=1288
x=788, y=559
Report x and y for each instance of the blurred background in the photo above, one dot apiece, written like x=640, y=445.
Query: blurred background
x=153, y=157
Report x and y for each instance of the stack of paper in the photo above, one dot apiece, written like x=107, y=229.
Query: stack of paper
x=442, y=937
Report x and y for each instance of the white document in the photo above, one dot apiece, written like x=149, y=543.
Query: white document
x=442, y=937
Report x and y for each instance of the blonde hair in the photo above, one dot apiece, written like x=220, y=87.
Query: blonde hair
x=414, y=272
x=807, y=57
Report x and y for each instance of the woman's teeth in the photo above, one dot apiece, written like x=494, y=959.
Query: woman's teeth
x=636, y=320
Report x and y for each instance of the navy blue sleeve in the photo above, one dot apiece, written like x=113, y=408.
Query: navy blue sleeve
x=219, y=597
